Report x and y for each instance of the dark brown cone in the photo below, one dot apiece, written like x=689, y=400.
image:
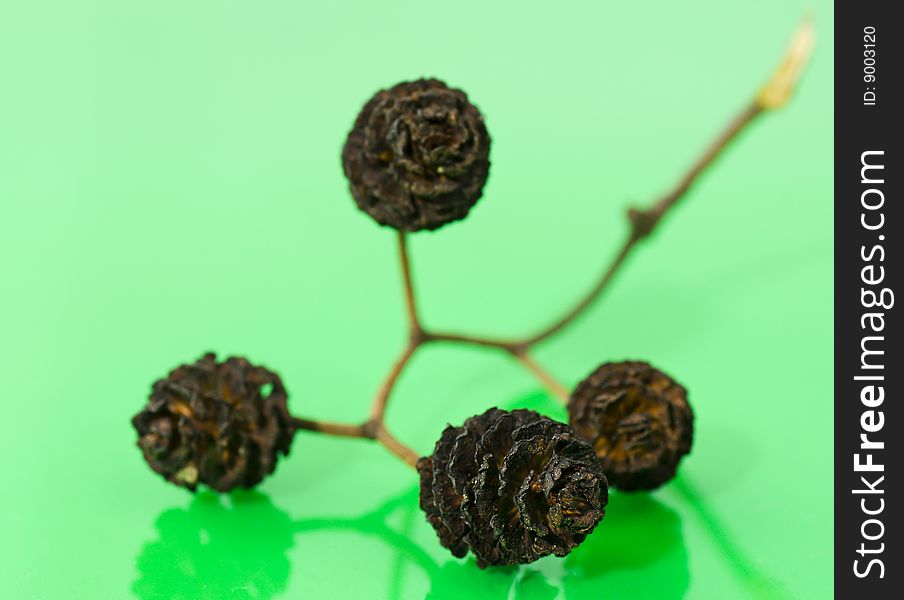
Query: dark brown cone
x=638, y=420
x=417, y=156
x=512, y=487
x=222, y=424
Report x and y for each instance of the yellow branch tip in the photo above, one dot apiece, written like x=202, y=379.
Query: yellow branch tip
x=781, y=85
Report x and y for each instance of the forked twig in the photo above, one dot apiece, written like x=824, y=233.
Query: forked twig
x=642, y=222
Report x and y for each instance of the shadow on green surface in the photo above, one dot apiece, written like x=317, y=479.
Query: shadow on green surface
x=235, y=546
x=757, y=583
x=639, y=554
x=638, y=531
x=230, y=546
x=640, y=537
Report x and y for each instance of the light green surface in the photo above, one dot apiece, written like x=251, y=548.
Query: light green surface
x=170, y=183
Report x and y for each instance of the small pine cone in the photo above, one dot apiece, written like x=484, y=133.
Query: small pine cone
x=417, y=156
x=638, y=420
x=222, y=424
x=511, y=487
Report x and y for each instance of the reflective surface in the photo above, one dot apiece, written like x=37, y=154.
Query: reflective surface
x=171, y=185
x=238, y=545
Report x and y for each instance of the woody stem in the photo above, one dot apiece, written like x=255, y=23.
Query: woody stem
x=414, y=323
x=329, y=428
x=644, y=221
x=555, y=388
x=370, y=430
x=375, y=427
x=771, y=96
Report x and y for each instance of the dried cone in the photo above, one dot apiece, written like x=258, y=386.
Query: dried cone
x=511, y=487
x=417, y=156
x=638, y=420
x=223, y=424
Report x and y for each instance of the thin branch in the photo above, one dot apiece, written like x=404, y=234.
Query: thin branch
x=381, y=399
x=643, y=221
x=585, y=303
x=371, y=430
x=374, y=428
x=414, y=322
x=773, y=95
x=328, y=428
x=382, y=435
x=554, y=387
x=508, y=345
x=516, y=349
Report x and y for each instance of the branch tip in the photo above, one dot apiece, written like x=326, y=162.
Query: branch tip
x=781, y=85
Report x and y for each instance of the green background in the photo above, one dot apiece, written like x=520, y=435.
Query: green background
x=170, y=183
